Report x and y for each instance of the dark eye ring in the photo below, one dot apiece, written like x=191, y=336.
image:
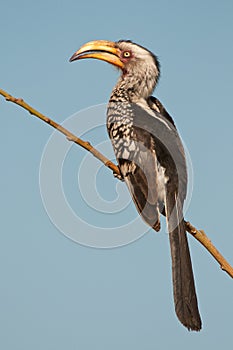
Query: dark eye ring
x=126, y=54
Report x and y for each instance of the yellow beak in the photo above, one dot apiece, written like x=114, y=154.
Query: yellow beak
x=101, y=50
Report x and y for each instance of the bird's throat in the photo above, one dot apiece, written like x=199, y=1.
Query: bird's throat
x=136, y=86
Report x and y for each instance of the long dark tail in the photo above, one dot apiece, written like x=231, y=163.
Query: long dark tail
x=185, y=298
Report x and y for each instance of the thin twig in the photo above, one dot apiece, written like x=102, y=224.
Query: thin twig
x=206, y=242
x=198, y=234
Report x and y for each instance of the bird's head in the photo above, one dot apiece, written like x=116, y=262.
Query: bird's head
x=140, y=67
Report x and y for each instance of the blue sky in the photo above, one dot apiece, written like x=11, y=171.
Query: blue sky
x=55, y=293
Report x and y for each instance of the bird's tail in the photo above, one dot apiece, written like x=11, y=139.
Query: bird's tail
x=185, y=298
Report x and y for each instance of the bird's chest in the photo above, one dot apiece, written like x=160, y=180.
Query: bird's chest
x=121, y=133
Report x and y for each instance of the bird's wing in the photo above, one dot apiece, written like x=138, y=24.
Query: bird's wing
x=140, y=173
x=167, y=144
x=156, y=105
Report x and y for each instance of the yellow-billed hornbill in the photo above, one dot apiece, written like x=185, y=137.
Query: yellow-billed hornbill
x=150, y=156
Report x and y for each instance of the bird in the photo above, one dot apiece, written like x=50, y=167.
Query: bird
x=150, y=156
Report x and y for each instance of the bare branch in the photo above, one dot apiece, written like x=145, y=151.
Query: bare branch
x=198, y=234
x=67, y=133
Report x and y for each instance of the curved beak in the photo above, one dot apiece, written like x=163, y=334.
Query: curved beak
x=101, y=50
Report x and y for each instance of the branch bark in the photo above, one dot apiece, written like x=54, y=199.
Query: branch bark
x=197, y=234
x=70, y=137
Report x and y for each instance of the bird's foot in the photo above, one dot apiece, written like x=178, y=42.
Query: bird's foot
x=157, y=226
x=118, y=176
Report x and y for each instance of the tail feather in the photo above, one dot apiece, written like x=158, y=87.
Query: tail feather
x=185, y=298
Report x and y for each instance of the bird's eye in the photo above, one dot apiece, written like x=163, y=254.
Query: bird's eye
x=126, y=54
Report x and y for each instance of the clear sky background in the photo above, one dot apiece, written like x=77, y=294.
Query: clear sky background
x=55, y=293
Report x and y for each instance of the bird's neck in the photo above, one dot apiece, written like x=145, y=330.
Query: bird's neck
x=133, y=86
